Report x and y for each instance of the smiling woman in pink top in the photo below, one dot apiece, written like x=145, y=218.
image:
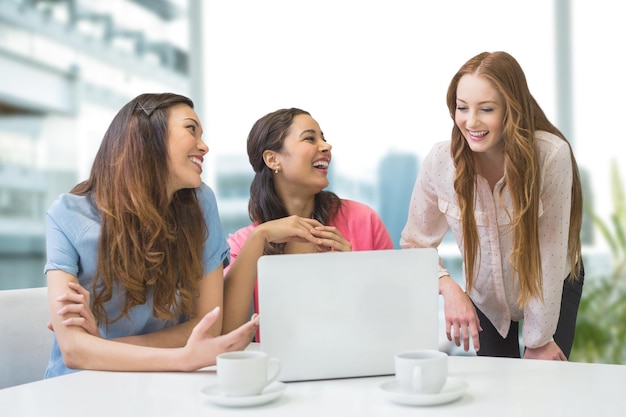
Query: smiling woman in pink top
x=289, y=209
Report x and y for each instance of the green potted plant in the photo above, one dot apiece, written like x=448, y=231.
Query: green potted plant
x=601, y=324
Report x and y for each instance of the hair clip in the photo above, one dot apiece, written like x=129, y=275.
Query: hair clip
x=144, y=109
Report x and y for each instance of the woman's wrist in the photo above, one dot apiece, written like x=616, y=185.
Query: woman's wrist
x=447, y=284
x=260, y=234
x=182, y=360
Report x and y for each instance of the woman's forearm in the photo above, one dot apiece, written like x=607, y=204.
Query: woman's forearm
x=240, y=281
x=84, y=351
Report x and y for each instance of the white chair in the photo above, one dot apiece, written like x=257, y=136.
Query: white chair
x=25, y=340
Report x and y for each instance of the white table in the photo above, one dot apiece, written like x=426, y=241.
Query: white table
x=497, y=387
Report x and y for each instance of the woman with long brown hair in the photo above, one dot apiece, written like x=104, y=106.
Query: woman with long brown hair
x=507, y=186
x=135, y=254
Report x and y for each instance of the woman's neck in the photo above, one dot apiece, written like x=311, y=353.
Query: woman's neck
x=300, y=207
x=298, y=200
x=490, y=167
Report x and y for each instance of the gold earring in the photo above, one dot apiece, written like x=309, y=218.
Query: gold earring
x=276, y=170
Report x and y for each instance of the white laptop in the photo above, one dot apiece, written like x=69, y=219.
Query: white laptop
x=346, y=314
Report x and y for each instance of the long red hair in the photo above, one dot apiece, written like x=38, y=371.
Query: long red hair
x=523, y=118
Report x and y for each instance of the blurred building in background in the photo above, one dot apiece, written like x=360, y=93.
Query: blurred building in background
x=66, y=67
x=233, y=176
x=396, y=174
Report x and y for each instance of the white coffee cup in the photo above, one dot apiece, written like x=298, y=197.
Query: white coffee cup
x=421, y=371
x=245, y=373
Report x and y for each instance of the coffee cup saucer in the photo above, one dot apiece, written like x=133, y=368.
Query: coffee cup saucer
x=453, y=390
x=270, y=393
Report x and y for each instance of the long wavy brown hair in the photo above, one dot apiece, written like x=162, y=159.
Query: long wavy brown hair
x=268, y=133
x=149, y=244
x=523, y=117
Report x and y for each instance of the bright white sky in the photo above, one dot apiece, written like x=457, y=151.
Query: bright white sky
x=374, y=73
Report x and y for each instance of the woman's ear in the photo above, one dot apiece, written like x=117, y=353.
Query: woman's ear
x=271, y=159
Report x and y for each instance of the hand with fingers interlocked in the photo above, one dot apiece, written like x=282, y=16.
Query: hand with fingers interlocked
x=304, y=230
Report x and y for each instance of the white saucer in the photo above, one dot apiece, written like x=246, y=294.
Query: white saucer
x=453, y=390
x=273, y=391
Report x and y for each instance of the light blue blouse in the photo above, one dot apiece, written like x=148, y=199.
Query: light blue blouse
x=72, y=234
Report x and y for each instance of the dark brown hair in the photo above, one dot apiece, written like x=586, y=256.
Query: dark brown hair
x=268, y=133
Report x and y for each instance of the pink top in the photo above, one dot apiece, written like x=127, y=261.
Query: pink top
x=434, y=209
x=357, y=222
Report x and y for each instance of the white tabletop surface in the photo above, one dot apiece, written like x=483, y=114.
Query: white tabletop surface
x=496, y=387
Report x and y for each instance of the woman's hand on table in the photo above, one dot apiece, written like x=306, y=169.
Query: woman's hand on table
x=550, y=351
x=202, y=349
x=460, y=314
